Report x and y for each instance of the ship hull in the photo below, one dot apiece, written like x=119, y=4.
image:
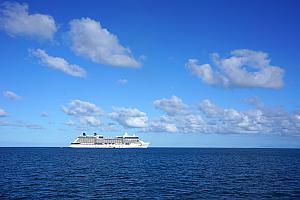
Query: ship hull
x=120, y=142
x=93, y=146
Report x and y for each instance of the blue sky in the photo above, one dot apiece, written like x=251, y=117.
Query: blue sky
x=177, y=73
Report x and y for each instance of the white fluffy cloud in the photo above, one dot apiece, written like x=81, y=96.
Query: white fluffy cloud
x=129, y=117
x=210, y=109
x=210, y=118
x=261, y=119
x=90, y=120
x=244, y=68
x=89, y=39
x=161, y=125
x=11, y=95
x=206, y=73
x=84, y=112
x=81, y=108
x=58, y=63
x=3, y=113
x=171, y=106
x=178, y=117
x=205, y=118
x=187, y=123
x=16, y=20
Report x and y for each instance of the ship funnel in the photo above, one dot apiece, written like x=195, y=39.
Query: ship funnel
x=83, y=134
x=95, y=134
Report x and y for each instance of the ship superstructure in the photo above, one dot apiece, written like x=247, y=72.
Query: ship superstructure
x=99, y=141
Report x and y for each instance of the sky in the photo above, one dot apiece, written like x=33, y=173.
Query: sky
x=176, y=73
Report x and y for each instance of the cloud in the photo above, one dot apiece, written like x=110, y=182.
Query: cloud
x=210, y=109
x=244, y=69
x=178, y=117
x=210, y=118
x=4, y=123
x=188, y=123
x=259, y=120
x=16, y=21
x=11, y=95
x=110, y=127
x=256, y=101
x=171, y=106
x=90, y=40
x=69, y=123
x=122, y=81
x=33, y=126
x=129, y=117
x=3, y=113
x=159, y=125
x=58, y=63
x=44, y=114
x=90, y=120
x=81, y=108
x=21, y=124
x=85, y=112
x=296, y=119
x=206, y=73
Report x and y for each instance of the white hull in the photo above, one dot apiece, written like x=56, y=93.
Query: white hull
x=121, y=146
x=120, y=142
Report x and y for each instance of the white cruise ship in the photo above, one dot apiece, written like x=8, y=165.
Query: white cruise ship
x=98, y=141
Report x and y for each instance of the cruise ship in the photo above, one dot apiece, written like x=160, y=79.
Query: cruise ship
x=98, y=141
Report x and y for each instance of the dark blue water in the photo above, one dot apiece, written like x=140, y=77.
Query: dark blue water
x=154, y=173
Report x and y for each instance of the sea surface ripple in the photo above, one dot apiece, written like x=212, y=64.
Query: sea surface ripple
x=153, y=173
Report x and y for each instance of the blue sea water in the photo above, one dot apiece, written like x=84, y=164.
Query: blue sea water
x=154, y=173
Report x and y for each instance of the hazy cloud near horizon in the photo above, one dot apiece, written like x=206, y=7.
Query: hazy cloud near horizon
x=204, y=118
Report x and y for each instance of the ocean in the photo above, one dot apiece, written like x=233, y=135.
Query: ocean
x=153, y=173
